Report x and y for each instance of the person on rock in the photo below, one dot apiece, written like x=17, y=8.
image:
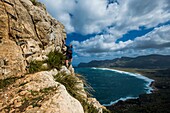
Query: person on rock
x=69, y=53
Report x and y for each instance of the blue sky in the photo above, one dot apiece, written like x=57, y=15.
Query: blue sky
x=108, y=29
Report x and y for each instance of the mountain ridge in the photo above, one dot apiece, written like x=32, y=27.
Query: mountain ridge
x=145, y=61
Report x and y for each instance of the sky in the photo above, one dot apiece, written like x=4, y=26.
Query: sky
x=108, y=29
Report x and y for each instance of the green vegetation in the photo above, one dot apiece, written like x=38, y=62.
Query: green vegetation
x=107, y=111
x=6, y=82
x=72, y=83
x=35, y=98
x=35, y=66
x=88, y=108
x=34, y=2
x=88, y=89
x=55, y=60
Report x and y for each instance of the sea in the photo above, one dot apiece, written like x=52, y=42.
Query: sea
x=112, y=85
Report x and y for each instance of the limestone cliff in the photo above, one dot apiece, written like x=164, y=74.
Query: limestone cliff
x=28, y=33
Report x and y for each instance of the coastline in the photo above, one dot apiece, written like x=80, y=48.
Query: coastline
x=141, y=72
x=150, y=86
x=155, y=102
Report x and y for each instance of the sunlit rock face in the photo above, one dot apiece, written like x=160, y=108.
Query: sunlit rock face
x=28, y=33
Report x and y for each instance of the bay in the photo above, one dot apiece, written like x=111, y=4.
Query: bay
x=113, y=85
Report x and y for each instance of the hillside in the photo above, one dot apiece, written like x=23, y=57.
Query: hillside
x=149, y=61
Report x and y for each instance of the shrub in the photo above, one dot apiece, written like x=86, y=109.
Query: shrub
x=35, y=66
x=55, y=60
x=34, y=2
x=71, y=83
x=88, y=89
x=88, y=108
x=6, y=82
x=35, y=98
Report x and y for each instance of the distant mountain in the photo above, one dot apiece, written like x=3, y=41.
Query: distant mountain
x=149, y=61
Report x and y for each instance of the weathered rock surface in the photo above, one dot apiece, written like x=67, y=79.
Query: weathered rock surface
x=11, y=60
x=28, y=33
x=38, y=93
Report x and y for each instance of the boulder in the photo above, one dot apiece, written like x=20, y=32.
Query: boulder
x=42, y=90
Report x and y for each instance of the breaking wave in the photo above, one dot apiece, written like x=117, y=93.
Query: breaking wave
x=137, y=75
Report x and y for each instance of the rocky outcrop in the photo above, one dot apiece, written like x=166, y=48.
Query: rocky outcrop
x=28, y=33
x=38, y=92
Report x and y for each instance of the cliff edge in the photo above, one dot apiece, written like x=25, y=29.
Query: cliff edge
x=33, y=78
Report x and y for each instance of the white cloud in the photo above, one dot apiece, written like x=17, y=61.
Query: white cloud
x=115, y=19
x=100, y=44
x=158, y=38
x=118, y=54
x=136, y=13
x=93, y=16
x=104, y=46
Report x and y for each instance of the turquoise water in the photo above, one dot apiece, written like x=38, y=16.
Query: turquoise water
x=112, y=85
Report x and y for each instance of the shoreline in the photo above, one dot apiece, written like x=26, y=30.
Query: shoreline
x=138, y=71
x=134, y=71
x=155, y=102
x=131, y=72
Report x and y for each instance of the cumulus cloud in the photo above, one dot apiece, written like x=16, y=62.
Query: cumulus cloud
x=103, y=45
x=94, y=16
x=82, y=16
x=134, y=13
x=99, y=44
x=158, y=38
x=118, y=54
x=110, y=20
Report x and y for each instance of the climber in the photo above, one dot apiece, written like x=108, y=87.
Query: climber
x=69, y=53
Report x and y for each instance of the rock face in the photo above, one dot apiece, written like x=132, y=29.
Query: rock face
x=28, y=33
x=38, y=93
